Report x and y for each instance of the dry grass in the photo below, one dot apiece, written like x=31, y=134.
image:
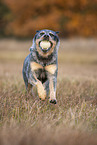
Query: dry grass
x=27, y=120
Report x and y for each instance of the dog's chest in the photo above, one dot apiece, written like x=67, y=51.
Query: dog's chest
x=48, y=68
x=41, y=74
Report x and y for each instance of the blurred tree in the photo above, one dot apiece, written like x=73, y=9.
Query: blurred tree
x=71, y=17
x=4, y=17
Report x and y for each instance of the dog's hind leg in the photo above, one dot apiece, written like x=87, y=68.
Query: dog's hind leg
x=25, y=80
x=28, y=85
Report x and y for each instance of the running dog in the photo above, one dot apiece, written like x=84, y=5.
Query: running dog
x=40, y=67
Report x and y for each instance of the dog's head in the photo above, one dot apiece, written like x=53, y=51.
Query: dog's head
x=46, y=42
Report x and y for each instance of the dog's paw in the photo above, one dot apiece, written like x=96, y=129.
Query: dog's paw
x=54, y=101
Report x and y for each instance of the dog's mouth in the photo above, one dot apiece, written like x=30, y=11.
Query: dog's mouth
x=45, y=45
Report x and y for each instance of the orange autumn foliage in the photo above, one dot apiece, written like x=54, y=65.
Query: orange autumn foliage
x=70, y=17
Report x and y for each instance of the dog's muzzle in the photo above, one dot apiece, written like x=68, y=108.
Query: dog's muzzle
x=45, y=44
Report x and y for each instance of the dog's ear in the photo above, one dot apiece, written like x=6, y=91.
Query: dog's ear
x=57, y=32
x=37, y=30
x=35, y=36
x=30, y=49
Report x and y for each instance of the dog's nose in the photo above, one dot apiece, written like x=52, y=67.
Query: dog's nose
x=46, y=37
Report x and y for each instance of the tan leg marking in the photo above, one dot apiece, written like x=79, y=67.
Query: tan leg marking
x=52, y=92
x=35, y=66
x=51, y=68
x=40, y=89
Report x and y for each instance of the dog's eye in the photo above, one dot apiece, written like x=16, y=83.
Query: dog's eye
x=51, y=35
x=42, y=33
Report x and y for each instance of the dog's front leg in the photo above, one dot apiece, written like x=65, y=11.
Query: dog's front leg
x=40, y=88
x=52, y=89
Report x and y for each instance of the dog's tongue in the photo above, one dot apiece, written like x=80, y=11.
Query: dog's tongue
x=45, y=44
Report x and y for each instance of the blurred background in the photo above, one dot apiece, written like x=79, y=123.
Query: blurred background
x=21, y=18
x=77, y=72
x=75, y=19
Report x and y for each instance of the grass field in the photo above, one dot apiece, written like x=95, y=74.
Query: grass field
x=25, y=120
